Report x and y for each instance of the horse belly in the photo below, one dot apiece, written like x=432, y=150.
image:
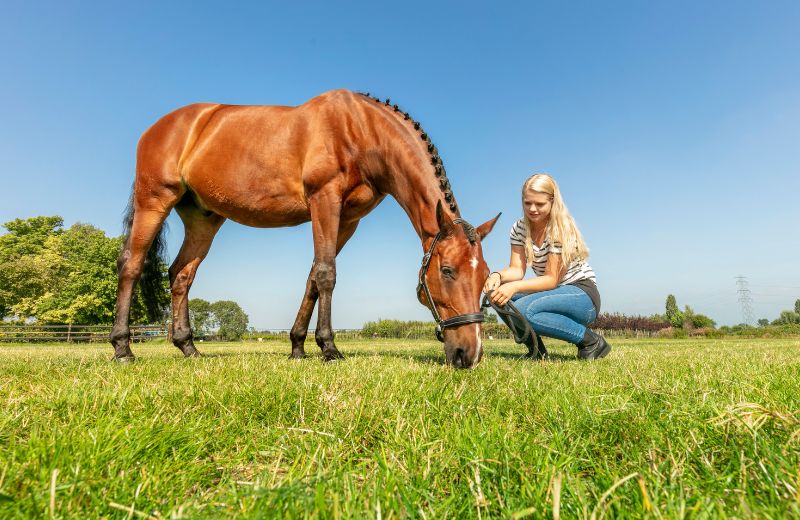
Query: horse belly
x=259, y=199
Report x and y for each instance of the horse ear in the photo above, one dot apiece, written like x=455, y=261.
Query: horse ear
x=487, y=226
x=445, y=225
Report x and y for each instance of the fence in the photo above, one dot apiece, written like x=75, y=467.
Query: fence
x=73, y=333
x=489, y=331
x=100, y=333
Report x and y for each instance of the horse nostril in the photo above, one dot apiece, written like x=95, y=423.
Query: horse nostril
x=460, y=359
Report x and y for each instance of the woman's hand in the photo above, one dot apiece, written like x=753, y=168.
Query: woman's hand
x=502, y=294
x=492, y=282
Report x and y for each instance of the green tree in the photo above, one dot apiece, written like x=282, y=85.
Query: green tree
x=489, y=317
x=200, y=317
x=694, y=320
x=763, y=322
x=62, y=276
x=673, y=313
x=797, y=307
x=22, y=272
x=787, y=318
x=230, y=319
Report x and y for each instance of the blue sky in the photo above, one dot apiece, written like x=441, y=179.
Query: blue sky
x=672, y=128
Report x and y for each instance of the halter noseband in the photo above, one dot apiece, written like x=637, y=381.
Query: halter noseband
x=461, y=319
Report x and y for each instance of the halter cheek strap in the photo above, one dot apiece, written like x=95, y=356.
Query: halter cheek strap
x=422, y=285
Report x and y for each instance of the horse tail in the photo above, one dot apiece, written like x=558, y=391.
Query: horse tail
x=152, y=281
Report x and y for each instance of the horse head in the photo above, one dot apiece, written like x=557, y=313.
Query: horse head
x=450, y=284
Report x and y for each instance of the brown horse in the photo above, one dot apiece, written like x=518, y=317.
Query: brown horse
x=330, y=161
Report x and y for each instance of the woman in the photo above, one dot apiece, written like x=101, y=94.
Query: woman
x=562, y=299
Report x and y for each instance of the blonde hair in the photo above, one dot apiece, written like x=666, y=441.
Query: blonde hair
x=561, y=227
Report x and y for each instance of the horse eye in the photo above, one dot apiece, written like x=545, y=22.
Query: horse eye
x=448, y=271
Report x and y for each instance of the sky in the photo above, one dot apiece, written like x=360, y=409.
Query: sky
x=672, y=128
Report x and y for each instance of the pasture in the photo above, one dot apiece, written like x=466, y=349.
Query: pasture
x=661, y=428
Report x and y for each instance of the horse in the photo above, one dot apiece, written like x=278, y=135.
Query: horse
x=330, y=160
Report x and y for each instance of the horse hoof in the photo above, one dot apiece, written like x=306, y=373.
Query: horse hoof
x=124, y=359
x=192, y=354
x=330, y=357
x=297, y=355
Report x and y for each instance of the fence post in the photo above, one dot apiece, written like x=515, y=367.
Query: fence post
x=69, y=332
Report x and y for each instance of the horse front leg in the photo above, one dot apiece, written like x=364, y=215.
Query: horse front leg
x=299, y=330
x=325, y=208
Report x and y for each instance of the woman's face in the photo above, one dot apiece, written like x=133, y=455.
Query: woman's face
x=537, y=206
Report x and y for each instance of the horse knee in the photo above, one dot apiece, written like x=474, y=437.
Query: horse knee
x=325, y=277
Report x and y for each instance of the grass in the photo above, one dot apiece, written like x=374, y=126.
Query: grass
x=661, y=428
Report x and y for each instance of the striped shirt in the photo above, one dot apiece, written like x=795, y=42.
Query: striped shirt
x=579, y=273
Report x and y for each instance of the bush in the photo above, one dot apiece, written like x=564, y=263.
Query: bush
x=421, y=329
x=673, y=333
x=771, y=331
x=621, y=322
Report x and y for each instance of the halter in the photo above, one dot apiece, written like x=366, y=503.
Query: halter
x=461, y=319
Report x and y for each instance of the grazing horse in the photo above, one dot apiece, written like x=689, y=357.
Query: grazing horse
x=330, y=161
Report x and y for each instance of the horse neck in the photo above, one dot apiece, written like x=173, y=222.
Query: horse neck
x=416, y=189
x=406, y=170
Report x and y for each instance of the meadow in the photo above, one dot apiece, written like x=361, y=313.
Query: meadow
x=661, y=429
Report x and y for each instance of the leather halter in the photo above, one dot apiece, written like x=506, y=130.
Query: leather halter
x=461, y=319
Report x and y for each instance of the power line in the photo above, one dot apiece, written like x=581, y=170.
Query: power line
x=745, y=300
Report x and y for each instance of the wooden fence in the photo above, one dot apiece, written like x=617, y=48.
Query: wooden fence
x=100, y=333
x=73, y=333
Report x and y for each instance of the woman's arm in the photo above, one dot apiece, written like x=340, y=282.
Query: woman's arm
x=514, y=271
x=553, y=272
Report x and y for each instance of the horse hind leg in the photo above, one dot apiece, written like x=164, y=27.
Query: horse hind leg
x=200, y=229
x=300, y=328
x=145, y=227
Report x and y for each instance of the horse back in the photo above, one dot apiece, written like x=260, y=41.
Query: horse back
x=259, y=164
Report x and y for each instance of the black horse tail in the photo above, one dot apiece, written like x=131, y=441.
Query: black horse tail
x=153, y=281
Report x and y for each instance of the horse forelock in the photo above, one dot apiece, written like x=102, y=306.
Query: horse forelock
x=433, y=153
x=469, y=230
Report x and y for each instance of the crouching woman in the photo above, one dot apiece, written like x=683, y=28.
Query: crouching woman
x=562, y=299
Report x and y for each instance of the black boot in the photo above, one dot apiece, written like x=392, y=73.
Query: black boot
x=593, y=346
x=532, y=348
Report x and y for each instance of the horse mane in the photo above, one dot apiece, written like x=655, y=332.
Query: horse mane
x=436, y=161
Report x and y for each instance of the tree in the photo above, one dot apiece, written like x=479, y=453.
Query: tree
x=693, y=320
x=21, y=272
x=200, y=317
x=763, y=322
x=488, y=317
x=62, y=276
x=787, y=318
x=230, y=319
x=797, y=306
x=674, y=315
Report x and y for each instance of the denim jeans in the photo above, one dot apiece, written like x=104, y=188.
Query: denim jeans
x=561, y=313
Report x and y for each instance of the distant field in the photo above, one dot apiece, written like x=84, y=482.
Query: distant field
x=661, y=428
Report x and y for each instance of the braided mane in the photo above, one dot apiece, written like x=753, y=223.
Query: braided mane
x=436, y=161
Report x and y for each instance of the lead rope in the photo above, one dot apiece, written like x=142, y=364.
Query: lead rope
x=509, y=313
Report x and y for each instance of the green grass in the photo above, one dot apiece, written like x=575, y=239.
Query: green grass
x=661, y=428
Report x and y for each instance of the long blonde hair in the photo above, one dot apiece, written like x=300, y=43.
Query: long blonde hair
x=561, y=227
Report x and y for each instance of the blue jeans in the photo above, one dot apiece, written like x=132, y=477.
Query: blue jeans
x=562, y=313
